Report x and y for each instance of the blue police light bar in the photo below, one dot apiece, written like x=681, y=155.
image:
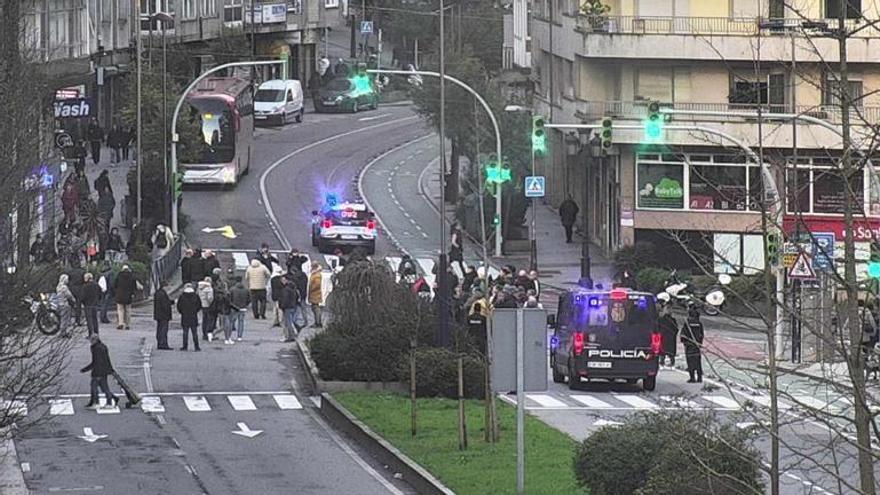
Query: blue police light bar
x=330, y=199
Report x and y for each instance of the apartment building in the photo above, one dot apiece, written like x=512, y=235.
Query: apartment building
x=88, y=45
x=701, y=56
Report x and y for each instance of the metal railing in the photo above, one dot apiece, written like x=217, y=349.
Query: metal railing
x=592, y=110
x=709, y=26
x=164, y=268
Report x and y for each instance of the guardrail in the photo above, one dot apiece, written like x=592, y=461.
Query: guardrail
x=164, y=268
x=591, y=110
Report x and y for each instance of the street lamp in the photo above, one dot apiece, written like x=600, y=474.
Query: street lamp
x=533, y=242
x=164, y=18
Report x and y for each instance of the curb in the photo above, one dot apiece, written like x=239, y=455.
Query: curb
x=311, y=370
x=415, y=475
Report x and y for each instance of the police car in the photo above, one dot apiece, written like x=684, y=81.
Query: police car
x=343, y=225
x=605, y=335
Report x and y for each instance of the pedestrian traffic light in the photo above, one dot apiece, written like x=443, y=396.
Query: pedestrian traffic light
x=874, y=262
x=177, y=185
x=539, y=137
x=654, y=123
x=497, y=173
x=606, y=134
x=773, y=248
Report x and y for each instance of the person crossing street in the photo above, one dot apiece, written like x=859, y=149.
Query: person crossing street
x=100, y=367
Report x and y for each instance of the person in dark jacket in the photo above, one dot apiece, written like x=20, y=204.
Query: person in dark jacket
x=188, y=305
x=186, y=266
x=568, y=212
x=267, y=258
x=295, y=260
x=692, y=338
x=276, y=285
x=668, y=328
x=288, y=300
x=124, y=290
x=239, y=300
x=102, y=184
x=100, y=368
x=108, y=279
x=211, y=262
x=197, y=267
x=162, y=314
x=90, y=296
x=95, y=135
x=76, y=275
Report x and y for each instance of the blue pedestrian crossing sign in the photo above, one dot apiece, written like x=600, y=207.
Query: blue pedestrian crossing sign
x=366, y=27
x=535, y=186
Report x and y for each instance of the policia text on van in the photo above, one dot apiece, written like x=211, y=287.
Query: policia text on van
x=607, y=335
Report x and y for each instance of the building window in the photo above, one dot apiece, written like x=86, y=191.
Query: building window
x=718, y=187
x=661, y=185
x=151, y=7
x=746, y=90
x=209, y=8
x=853, y=9
x=833, y=91
x=232, y=10
x=190, y=10
x=828, y=191
x=294, y=7
x=331, y=4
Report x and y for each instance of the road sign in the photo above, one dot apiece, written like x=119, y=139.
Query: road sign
x=535, y=186
x=802, y=268
x=823, y=250
x=366, y=27
x=789, y=254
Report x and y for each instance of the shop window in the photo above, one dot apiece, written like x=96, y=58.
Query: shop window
x=661, y=185
x=798, y=196
x=232, y=10
x=853, y=9
x=828, y=191
x=715, y=187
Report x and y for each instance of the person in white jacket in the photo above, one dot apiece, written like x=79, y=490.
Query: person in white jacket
x=205, y=292
x=256, y=279
x=162, y=240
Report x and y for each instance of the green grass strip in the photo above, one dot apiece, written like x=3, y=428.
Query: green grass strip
x=482, y=468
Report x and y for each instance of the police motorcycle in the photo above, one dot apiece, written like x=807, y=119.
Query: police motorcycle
x=684, y=295
x=45, y=312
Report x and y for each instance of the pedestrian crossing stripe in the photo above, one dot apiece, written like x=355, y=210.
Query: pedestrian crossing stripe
x=619, y=401
x=192, y=403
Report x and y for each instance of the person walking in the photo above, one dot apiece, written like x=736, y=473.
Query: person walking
x=287, y=300
x=95, y=135
x=125, y=139
x=76, y=282
x=316, y=292
x=100, y=368
x=64, y=300
x=301, y=283
x=257, y=279
x=456, y=246
x=222, y=312
x=189, y=305
x=38, y=250
x=669, y=333
x=692, y=338
x=568, y=212
x=205, y=292
x=90, y=295
x=275, y=285
x=124, y=290
x=102, y=184
x=106, y=282
x=239, y=299
x=114, y=141
x=162, y=314
x=161, y=240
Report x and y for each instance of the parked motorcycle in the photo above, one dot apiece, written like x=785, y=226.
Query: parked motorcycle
x=45, y=312
x=684, y=294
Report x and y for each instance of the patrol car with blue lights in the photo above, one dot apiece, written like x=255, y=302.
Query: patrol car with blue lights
x=605, y=335
x=344, y=225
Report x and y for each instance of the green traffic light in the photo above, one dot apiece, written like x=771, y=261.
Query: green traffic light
x=874, y=269
x=362, y=84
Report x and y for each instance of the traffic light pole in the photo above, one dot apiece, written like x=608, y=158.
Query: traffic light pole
x=175, y=137
x=488, y=109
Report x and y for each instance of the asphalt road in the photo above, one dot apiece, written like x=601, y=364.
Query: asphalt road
x=395, y=186
x=229, y=419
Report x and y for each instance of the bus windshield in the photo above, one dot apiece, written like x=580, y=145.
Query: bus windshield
x=216, y=137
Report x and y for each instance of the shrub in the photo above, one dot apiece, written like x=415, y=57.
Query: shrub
x=437, y=373
x=634, y=257
x=652, y=279
x=678, y=452
x=363, y=358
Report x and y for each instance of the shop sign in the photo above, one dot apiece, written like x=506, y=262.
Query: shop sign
x=276, y=12
x=73, y=108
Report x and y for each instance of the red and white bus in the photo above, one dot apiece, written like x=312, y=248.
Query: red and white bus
x=223, y=108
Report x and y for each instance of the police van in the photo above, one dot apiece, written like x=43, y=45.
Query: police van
x=605, y=335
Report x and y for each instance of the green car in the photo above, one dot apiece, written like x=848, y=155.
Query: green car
x=347, y=95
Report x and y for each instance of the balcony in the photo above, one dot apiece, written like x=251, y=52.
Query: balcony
x=714, y=38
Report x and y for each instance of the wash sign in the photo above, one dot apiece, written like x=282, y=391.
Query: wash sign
x=535, y=186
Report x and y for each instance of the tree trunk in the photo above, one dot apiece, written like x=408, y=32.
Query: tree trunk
x=452, y=186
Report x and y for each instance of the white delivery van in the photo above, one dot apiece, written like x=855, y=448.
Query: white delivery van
x=278, y=101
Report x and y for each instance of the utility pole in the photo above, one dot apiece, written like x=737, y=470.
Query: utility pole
x=139, y=150
x=443, y=279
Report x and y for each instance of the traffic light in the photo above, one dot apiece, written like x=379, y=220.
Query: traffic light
x=539, y=137
x=654, y=123
x=497, y=173
x=874, y=262
x=773, y=248
x=606, y=134
x=177, y=185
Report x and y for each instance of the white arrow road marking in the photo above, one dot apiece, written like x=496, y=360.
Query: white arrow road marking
x=89, y=435
x=247, y=432
x=605, y=422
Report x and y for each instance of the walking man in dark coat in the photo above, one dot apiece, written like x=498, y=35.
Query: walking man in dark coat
x=100, y=368
x=692, y=338
x=126, y=285
x=96, y=137
x=90, y=296
x=568, y=212
x=162, y=314
x=189, y=305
